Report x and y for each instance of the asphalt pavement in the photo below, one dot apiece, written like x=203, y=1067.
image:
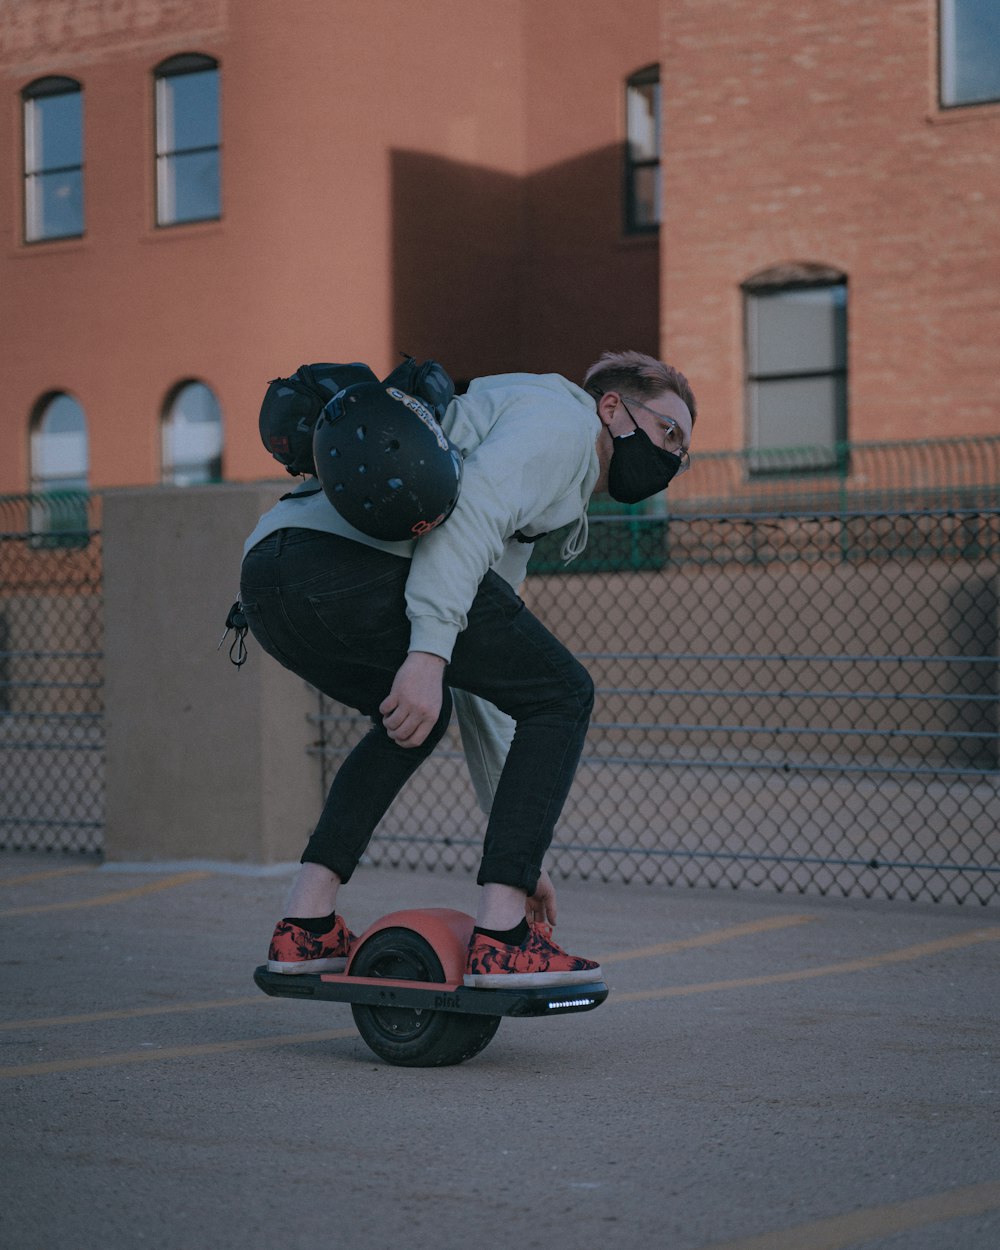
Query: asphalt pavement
x=769, y=1072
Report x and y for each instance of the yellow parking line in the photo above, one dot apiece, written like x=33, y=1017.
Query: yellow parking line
x=858, y=1227
x=707, y=939
x=865, y=963
x=49, y=872
x=663, y=948
x=153, y=1054
x=119, y=896
x=905, y=955
x=132, y=1013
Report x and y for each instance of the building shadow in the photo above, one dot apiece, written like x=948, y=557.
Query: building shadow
x=494, y=273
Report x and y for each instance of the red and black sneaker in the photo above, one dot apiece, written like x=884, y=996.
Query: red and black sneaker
x=493, y=965
x=294, y=949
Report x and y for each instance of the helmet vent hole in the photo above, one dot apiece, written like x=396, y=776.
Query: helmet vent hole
x=393, y=445
x=395, y=482
x=360, y=433
x=368, y=505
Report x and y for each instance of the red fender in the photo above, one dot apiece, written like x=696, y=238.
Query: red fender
x=446, y=930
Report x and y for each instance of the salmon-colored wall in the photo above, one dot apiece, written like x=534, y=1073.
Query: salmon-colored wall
x=445, y=178
x=389, y=184
x=811, y=132
x=301, y=266
x=586, y=285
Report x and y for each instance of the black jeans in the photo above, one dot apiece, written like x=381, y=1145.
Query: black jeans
x=334, y=612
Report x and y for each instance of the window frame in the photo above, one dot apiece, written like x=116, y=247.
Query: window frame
x=804, y=460
x=48, y=87
x=649, y=75
x=164, y=158
x=946, y=64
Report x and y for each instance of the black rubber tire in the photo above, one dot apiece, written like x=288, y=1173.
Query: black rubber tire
x=413, y=1037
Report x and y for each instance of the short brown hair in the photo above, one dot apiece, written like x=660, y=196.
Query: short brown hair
x=636, y=374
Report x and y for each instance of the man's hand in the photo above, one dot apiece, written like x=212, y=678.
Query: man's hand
x=541, y=906
x=411, y=708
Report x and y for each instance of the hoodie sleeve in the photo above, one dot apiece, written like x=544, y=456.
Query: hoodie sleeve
x=535, y=454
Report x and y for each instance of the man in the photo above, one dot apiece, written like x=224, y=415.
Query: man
x=393, y=628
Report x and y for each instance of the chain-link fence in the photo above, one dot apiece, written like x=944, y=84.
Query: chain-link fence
x=945, y=473
x=792, y=698
x=51, y=667
x=802, y=702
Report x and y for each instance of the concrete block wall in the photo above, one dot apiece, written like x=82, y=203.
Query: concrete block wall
x=203, y=761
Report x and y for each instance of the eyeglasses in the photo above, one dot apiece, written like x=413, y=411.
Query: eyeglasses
x=672, y=434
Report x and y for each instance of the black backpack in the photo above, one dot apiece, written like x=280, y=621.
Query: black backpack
x=291, y=408
x=428, y=381
x=292, y=405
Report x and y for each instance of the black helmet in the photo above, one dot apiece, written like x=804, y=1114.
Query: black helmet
x=292, y=406
x=384, y=462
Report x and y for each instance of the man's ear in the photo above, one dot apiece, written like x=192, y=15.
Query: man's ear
x=607, y=406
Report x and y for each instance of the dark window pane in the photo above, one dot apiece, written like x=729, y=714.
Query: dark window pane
x=643, y=195
x=53, y=156
x=644, y=122
x=187, y=130
x=796, y=377
x=796, y=412
x=192, y=437
x=646, y=196
x=55, y=132
x=798, y=331
x=190, y=117
x=59, y=447
x=189, y=187
x=970, y=51
x=54, y=205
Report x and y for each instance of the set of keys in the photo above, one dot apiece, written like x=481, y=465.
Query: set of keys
x=236, y=621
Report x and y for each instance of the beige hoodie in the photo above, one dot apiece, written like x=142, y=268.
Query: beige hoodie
x=530, y=466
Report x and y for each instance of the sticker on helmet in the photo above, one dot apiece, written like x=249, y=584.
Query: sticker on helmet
x=424, y=527
x=419, y=410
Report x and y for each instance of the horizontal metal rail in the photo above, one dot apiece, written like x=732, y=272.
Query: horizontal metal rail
x=744, y=692
x=764, y=857
x=20, y=822
x=810, y=731
x=771, y=858
x=770, y=657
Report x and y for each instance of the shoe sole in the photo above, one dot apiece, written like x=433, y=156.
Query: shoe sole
x=307, y=965
x=514, y=980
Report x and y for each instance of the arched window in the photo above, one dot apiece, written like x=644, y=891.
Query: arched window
x=60, y=463
x=643, y=192
x=192, y=436
x=187, y=140
x=53, y=159
x=796, y=368
x=59, y=451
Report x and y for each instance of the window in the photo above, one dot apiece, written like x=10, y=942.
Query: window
x=796, y=359
x=59, y=469
x=970, y=51
x=59, y=457
x=192, y=437
x=643, y=202
x=53, y=159
x=187, y=140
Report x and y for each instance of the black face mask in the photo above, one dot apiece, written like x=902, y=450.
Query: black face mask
x=639, y=469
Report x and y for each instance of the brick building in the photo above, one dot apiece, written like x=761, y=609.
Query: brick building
x=795, y=203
